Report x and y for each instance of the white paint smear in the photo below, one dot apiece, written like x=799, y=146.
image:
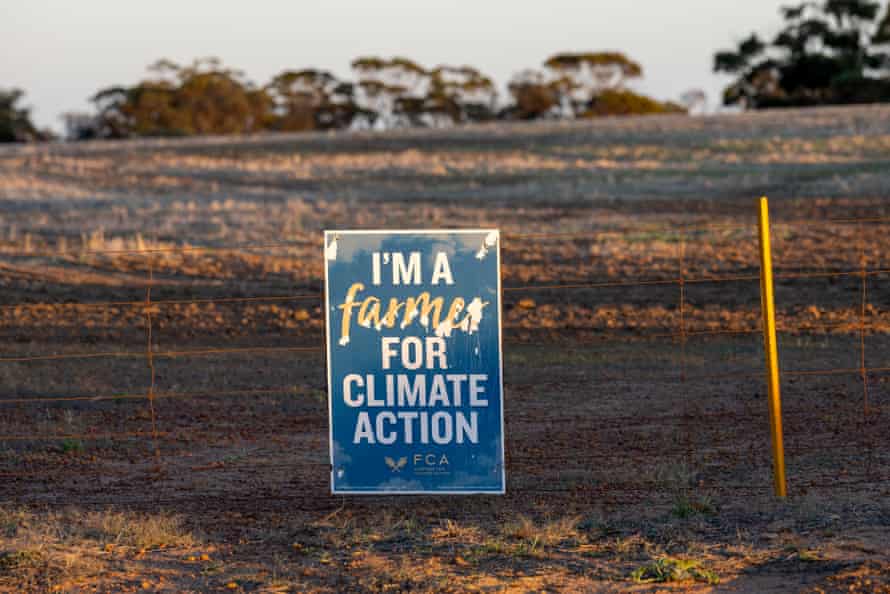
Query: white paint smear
x=330, y=251
x=490, y=240
x=469, y=324
x=474, y=311
x=443, y=330
x=410, y=318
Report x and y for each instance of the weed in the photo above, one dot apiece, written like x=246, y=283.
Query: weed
x=489, y=548
x=451, y=530
x=668, y=569
x=16, y=560
x=808, y=555
x=687, y=507
x=72, y=446
x=623, y=547
x=527, y=548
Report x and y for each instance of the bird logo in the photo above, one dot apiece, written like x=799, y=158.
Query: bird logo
x=396, y=465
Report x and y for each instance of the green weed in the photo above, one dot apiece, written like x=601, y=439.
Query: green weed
x=72, y=446
x=668, y=569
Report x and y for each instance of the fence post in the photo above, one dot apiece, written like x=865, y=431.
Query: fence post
x=767, y=308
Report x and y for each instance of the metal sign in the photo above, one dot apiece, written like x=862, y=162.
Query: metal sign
x=414, y=361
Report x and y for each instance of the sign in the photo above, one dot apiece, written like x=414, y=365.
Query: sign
x=414, y=361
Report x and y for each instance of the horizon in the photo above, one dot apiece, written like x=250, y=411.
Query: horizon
x=63, y=59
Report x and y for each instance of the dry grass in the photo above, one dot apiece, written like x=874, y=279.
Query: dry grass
x=52, y=548
x=451, y=530
x=545, y=533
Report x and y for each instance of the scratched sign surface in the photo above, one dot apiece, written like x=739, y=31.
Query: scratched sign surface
x=414, y=361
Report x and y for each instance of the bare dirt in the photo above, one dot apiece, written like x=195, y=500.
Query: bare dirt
x=637, y=431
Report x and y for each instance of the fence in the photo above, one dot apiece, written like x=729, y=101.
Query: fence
x=232, y=431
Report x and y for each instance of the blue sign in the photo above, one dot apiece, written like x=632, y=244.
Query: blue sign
x=414, y=361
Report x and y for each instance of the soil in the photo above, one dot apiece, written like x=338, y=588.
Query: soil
x=161, y=354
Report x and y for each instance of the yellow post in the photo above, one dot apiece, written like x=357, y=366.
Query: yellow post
x=767, y=307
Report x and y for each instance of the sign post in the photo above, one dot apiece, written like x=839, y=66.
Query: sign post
x=415, y=382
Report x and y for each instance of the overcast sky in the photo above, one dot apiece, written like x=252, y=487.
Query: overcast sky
x=60, y=52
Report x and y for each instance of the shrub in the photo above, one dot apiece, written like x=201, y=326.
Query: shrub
x=623, y=102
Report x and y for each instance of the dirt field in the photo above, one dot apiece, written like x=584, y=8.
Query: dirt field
x=181, y=445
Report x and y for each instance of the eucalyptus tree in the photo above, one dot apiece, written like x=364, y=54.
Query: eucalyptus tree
x=461, y=94
x=15, y=120
x=827, y=52
x=310, y=99
x=389, y=89
x=201, y=98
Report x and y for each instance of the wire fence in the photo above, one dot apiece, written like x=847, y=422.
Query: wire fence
x=694, y=431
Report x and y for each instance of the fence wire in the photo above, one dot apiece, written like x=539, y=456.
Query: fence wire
x=688, y=421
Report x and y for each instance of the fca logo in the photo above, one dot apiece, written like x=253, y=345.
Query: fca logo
x=430, y=460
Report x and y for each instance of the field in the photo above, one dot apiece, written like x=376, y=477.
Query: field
x=162, y=380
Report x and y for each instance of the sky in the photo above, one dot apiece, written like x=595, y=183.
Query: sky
x=61, y=52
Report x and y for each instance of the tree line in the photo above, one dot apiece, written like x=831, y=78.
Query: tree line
x=826, y=53
x=207, y=97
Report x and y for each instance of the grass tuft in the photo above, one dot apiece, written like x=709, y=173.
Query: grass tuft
x=42, y=549
x=687, y=507
x=668, y=569
x=547, y=533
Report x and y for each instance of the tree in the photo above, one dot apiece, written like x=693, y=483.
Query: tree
x=116, y=107
x=214, y=100
x=588, y=84
x=534, y=96
x=826, y=53
x=203, y=98
x=585, y=74
x=461, y=93
x=388, y=90
x=310, y=99
x=15, y=121
x=882, y=32
x=581, y=77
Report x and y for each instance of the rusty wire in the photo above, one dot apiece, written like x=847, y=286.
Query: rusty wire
x=604, y=338
x=642, y=282
x=149, y=306
x=580, y=235
x=293, y=390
